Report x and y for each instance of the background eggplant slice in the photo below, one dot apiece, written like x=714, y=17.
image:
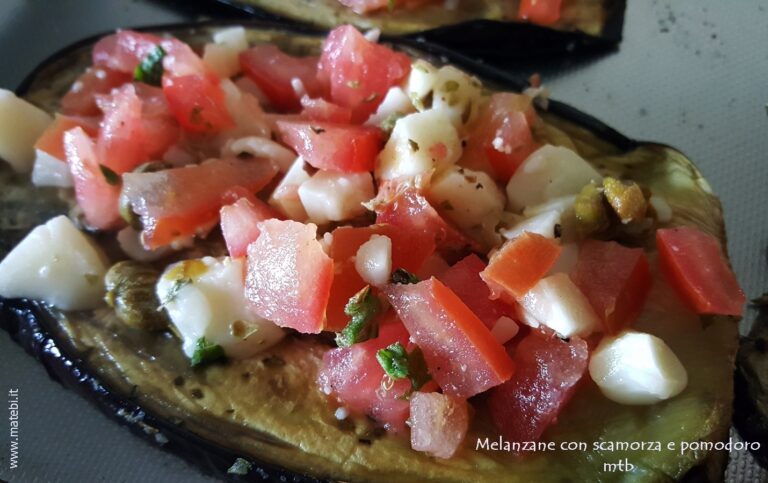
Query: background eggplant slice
x=268, y=410
x=479, y=28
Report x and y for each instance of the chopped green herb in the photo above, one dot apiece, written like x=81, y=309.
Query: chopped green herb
x=414, y=145
x=398, y=364
x=451, y=86
x=417, y=367
x=422, y=103
x=446, y=205
x=388, y=124
x=402, y=275
x=371, y=98
x=466, y=113
x=178, y=284
x=206, y=352
x=111, y=177
x=240, y=467
x=394, y=360
x=363, y=308
x=92, y=278
x=353, y=84
x=150, y=70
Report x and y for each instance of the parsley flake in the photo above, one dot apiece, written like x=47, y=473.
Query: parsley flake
x=150, y=70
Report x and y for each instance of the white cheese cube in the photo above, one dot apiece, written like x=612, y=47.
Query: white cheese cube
x=261, y=147
x=222, y=56
x=566, y=261
x=550, y=172
x=50, y=171
x=448, y=89
x=211, y=303
x=234, y=37
x=557, y=302
x=246, y=111
x=470, y=199
x=221, y=59
x=373, y=260
x=331, y=196
x=637, y=368
x=662, y=208
x=543, y=219
x=396, y=102
x=58, y=264
x=285, y=197
x=504, y=330
x=420, y=142
x=21, y=124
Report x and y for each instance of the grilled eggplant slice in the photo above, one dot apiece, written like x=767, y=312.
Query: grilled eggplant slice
x=268, y=410
x=751, y=418
x=478, y=28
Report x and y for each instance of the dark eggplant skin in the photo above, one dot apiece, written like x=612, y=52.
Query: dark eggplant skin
x=751, y=384
x=497, y=41
x=28, y=324
x=33, y=325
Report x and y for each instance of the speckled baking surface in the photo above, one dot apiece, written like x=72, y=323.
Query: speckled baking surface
x=690, y=73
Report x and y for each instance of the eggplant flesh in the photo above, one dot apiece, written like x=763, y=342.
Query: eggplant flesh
x=269, y=411
x=485, y=28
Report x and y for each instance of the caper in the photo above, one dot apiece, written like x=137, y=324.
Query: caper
x=626, y=198
x=590, y=210
x=127, y=213
x=131, y=292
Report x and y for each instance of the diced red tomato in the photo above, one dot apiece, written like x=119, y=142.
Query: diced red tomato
x=502, y=138
x=239, y=223
x=95, y=195
x=693, y=263
x=180, y=61
x=356, y=379
x=197, y=103
x=408, y=252
x=410, y=211
x=357, y=72
x=542, y=12
x=273, y=70
x=547, y=371
x=346, y=283
x=124, y=50
x=464, y=279
x=161, y=130
x=324, y=111
x=335, y=147
x=181, y=202
x=439, y=423
x=519, y=264
x=615, y=279
x=52, y=139
x=80, y=100
x=289, y=275
x=120, y=144
x=462, y=355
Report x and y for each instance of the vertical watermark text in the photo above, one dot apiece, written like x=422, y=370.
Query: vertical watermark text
x=13, y=428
